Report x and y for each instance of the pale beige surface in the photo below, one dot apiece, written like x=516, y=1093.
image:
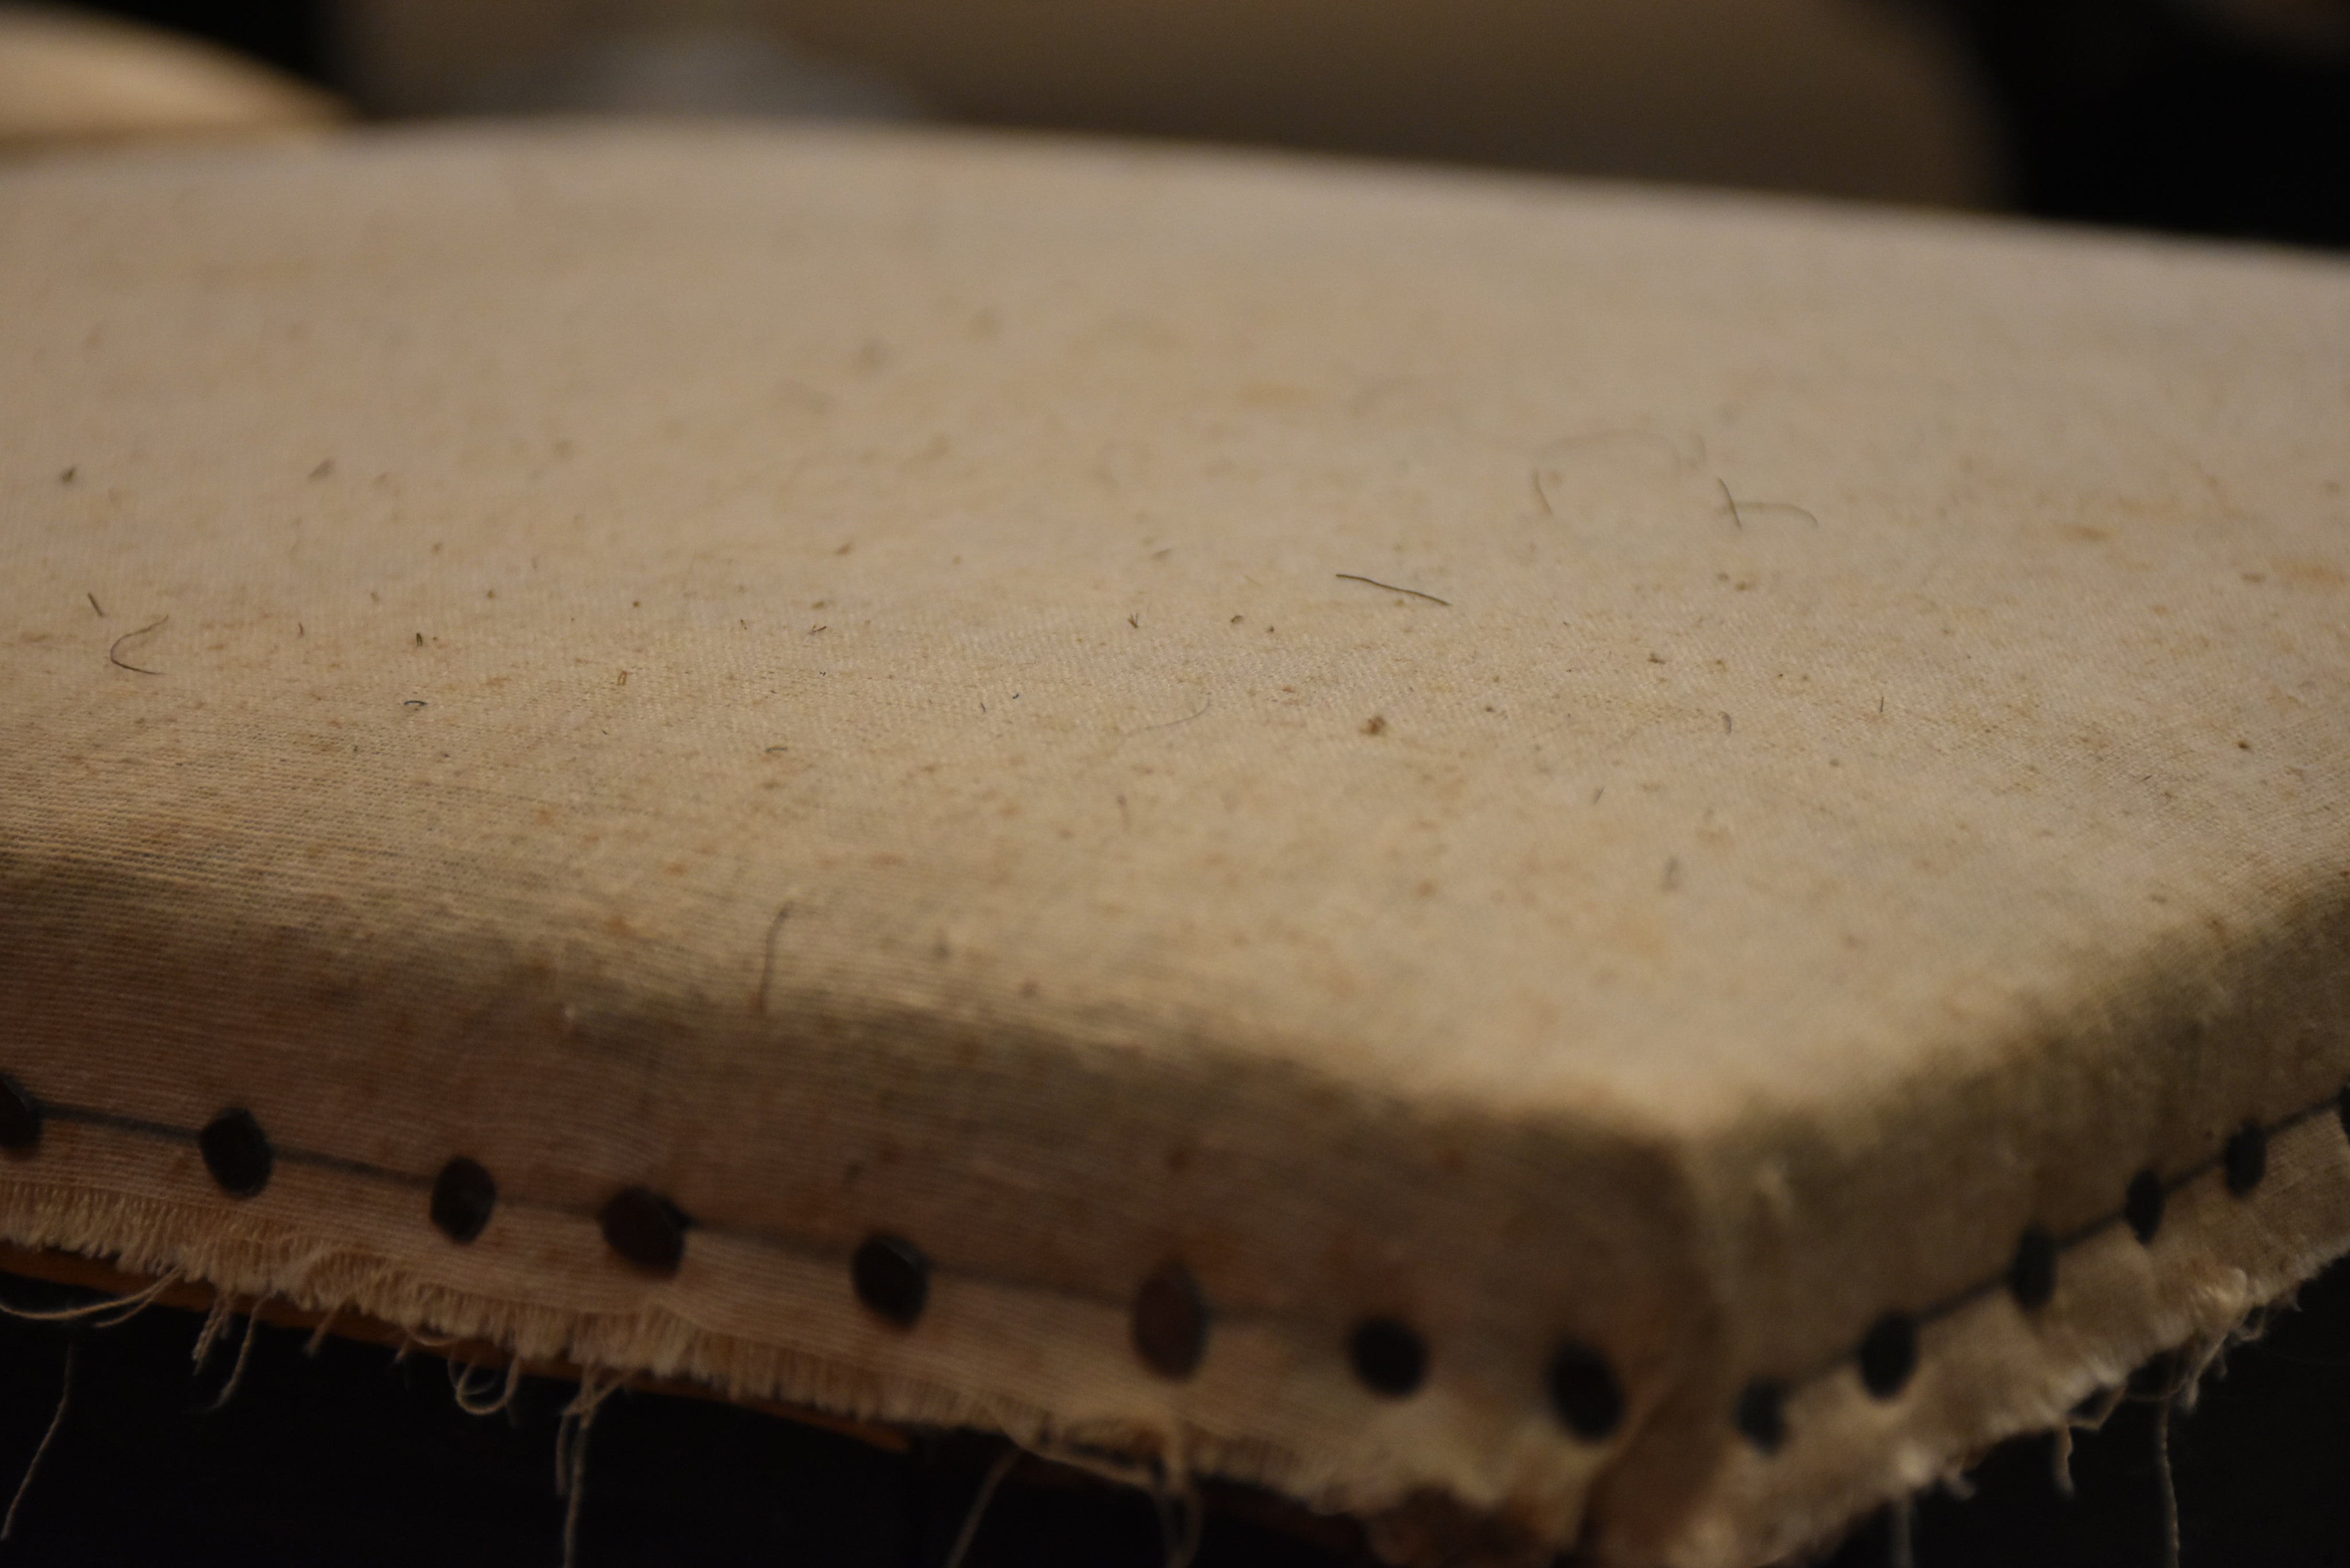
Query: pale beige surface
x=69, y=79
x=814, y=674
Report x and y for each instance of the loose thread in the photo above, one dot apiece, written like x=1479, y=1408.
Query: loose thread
x=573, y=1493
x=2169, y=1486
x=767, y=959
x=223, y=1307
x=571, y=1452
x=1182, y=1519
x=114, y=653
x=137, y=1302
x=410, y=1338
x=970, y=1533
x=471, y=1403
x=32, y=1466
x=2178, y=1394
x=244, y=1354
x=2088, y=1416
x=1393, y=588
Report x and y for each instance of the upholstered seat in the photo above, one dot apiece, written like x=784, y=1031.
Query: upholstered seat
x=1638, y=866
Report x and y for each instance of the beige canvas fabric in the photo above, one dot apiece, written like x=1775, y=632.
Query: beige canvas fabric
x=1678, y=802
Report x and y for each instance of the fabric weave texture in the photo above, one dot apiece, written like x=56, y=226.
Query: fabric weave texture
x=1638, y=787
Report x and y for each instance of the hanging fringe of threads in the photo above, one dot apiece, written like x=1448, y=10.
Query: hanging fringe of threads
x=571, y=1451
x=986, y=1494
x=2176, y=1396
x=129, y=1306
x=216, y=1318
x=461, y=1385
x=2090, y=1415
x=2169, y=1486
x=1166, y=1476
x=1181, y=1518
x=244, y=1354
x=33, y=1466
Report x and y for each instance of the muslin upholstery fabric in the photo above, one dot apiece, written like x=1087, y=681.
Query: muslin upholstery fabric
x=1669, y=798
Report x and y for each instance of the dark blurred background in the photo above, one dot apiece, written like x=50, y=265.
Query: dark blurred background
x=349, y=1456
x=2214, y=116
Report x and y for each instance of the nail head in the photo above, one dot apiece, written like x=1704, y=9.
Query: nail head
x=1584, y=1392
x=20, y=1117
x=645, y=1228
x=2032, y=1277
x=1388, y=1355
x=1761, y=1414
x=464, y=1197
x=2246, y=1159
x=1170, y=1322
x=892, y=1278
x=237, y=1152
x=2142, y=1206
x=1888, y=1354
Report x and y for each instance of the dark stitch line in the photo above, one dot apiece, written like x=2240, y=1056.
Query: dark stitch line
x=792, y=1246
x=1958, y=1301
x=336, y=1162
x=1431, y=599
x=1936, y=1313
x=88, y=1117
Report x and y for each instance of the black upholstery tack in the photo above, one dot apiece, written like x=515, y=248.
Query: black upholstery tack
x=646, y=1228
x=2246, y=1159
x=1388, y=1355
x=892, y=1278
x=237, y=1152
x=2032, y=1277
x=2142, y=1206
x=463, y=1196
x=1888, y=1354
x=20, y=1117
x=1761, y=1414
x=1170, y=1322
x=1585, y=1393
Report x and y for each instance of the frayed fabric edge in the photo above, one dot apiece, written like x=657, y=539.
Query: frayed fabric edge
x=1995, y=1370
x=250, y=1266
